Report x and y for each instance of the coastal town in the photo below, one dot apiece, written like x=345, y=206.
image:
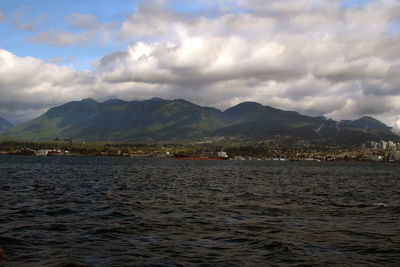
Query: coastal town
x=373, y=151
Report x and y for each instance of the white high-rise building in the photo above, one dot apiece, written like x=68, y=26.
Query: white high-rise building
x=383, y=144
x=372, y=144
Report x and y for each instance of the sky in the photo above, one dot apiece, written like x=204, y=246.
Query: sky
x=336, y=58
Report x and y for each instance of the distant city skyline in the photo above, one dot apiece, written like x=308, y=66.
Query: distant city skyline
x=336, y=58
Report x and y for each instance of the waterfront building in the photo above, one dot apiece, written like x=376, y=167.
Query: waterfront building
x=391, y=144
x=384, y=144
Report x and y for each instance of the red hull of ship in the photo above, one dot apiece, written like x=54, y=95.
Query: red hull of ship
x=198, y=158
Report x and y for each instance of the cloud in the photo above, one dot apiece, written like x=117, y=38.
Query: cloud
x=61, y=60
x=63, y=38
x=19, y=21
x=317, y=57
x=396, y=127
x=314, y=56
x=151, y=18
x=1, y=16
x=85, y=30
x=83, y=21
x=29, y=84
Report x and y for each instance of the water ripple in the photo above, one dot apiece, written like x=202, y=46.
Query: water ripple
x=64, y=211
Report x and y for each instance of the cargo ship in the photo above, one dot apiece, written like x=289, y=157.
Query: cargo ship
x=24, y=152
x=221, y=156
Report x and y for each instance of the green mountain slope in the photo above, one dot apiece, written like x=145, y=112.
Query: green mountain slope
x=253, y=119
x=263, y=122
x=158, y=120
x=117, y=120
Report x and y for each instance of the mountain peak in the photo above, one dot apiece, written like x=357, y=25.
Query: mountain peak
x=370, y=123
x=114, y=101
x=249, y=104
x=243, y=108
x=156, y=99
x=367, y=118
x=89, y=100
x=246, y=106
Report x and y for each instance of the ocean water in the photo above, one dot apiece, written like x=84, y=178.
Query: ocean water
x=67, y=211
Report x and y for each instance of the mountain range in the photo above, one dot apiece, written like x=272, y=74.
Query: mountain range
x=4, y=124
x=158, y=120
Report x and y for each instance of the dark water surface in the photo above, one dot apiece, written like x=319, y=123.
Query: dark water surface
x=60, y=211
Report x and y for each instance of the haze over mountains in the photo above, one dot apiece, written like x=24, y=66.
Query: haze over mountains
x=158, y=120
x=4, y=124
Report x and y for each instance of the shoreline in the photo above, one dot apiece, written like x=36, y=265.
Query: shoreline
x=246, y=158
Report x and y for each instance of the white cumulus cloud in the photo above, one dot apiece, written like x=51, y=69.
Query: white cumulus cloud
x=29, y=85
x=317, y=57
